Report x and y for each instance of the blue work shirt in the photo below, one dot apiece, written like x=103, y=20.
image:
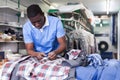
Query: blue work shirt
x=45, y=39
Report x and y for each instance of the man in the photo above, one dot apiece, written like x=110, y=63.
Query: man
x=43, y=35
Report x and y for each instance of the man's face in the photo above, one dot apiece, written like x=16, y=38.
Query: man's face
x=38, y=21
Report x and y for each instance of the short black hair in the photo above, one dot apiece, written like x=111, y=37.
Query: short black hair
x=33, y=10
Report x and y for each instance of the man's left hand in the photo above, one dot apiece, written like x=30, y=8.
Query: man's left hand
x=52, y=55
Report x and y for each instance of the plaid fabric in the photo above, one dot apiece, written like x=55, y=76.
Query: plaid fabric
x=6, y=72
x=32, y=69
x=49, y=70
x=8, y=67
x=73, y=54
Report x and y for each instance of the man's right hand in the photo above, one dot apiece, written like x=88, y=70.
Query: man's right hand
x=40, y=55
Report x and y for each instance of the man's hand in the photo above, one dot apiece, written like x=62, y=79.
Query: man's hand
x=40, y=55
x=52, y=55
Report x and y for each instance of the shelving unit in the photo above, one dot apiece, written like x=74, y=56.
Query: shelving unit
x=77, y=18
x=10, y=21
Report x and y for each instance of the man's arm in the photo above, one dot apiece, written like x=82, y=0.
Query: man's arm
x=62, y=46
x=31, y=52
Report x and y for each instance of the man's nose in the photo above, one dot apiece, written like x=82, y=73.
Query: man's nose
x=37, y=24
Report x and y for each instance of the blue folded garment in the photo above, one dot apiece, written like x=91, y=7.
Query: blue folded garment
x=85, y=73
x=110, y=70
x=118, y=72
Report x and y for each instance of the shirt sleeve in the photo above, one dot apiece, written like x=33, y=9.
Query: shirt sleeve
x=26, y=34
x=60, y=29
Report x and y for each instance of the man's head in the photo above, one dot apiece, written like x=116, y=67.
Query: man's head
x=36, y=15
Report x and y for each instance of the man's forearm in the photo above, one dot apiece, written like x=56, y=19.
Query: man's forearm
x=60, y=49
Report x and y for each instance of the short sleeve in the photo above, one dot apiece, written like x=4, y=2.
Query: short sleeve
x=60, y=29
x=26, y=34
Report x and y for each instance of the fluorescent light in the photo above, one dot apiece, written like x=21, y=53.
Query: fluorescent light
x=101, y=25
x=22, y=14
x=52, y=7
x=107, y=6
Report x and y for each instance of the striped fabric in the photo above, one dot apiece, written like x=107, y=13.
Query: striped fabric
x=95, y=59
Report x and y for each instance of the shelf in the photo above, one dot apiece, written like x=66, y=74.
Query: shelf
x=68, y=27
x=82, y=19
x=81, y=23
x=12, y=11
x=11, y=19
x=84, y=26
x=3, y=24
x=8, y=9
x=15, y=41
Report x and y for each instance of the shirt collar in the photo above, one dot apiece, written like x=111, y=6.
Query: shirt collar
x=46, y=22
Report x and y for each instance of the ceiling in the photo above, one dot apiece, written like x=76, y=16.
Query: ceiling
x=96, y=6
